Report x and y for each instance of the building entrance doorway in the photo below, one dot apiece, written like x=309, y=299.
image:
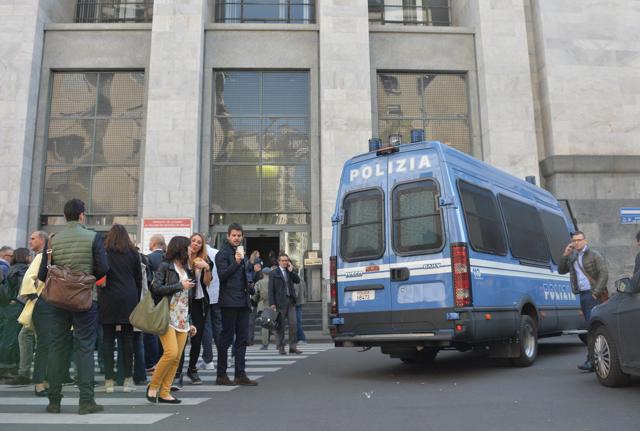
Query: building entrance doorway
x=267, y=243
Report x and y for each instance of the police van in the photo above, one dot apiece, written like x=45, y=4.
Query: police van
x=433, y=249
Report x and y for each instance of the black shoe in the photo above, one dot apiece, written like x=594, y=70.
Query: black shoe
x=153, y=400
x=194, y=377
x=587, y=366
x=281, y=351
x=167, y=401
x=295, y=352
x=177, y=384
x=264, y=347
x=20, y=380
x=53, y=407
x=42, y=393
x=87, y=408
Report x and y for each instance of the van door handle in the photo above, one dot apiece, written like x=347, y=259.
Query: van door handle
x=400, y=274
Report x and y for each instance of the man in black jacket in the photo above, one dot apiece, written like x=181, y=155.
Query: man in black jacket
x=282, y=297
x=152, y=353
x=236, y=287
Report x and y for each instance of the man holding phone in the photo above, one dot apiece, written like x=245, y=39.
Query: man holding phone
x=236, y=287
x=589, y=275
x=282, y=297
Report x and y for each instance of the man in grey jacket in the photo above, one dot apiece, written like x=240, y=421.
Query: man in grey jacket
x=589, y=275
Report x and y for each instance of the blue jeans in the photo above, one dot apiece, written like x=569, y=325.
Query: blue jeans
x=139, y=372
x=151, y=349
x=587, y=302
x=85, y=328
x=212, y=331
x=299, y=331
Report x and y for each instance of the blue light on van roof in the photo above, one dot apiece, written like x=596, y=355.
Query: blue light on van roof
x=417, y=135
x=375, y=144
x=395, y=140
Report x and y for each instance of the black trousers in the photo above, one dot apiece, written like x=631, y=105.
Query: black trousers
x=235, y=321
x=198, y=311
x=125, y=339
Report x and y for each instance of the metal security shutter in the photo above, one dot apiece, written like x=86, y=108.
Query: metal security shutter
x=437, y=103
x=261, y=145
x=94, y=139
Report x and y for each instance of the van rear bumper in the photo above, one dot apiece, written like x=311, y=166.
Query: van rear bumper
x=443, y=335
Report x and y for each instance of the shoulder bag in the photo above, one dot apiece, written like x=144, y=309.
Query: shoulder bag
x=68, y=289
x=150, y=317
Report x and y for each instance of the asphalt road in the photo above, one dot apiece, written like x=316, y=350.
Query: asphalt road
x=344, y=389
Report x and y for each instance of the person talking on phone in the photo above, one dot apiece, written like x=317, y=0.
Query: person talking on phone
x=282, y=297
x=174, y=280
x=236, y=287
x=588, y=274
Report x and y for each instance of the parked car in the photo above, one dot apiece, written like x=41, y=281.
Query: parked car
x=614, y=335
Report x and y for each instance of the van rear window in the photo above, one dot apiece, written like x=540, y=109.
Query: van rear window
x=526, y=235
x=362, y=233
x=557, y=234
x=417, y=225
x=484, y=224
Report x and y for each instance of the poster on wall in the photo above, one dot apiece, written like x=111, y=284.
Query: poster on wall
x=167, y=227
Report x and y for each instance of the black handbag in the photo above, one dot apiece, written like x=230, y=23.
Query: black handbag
x=269, y=319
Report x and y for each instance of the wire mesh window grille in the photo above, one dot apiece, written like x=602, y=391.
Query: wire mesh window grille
x=410, y=12
x=93, y=143
x=265, y=11
x=103, y=11
x=261, y=144
x=435, y=102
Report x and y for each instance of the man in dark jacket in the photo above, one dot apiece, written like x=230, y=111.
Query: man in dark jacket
x=236, y=287
x=152, y=354
x=282, y=297
x=81, y=250
x=589, y=275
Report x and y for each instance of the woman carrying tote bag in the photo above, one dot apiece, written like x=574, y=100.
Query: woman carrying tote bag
x=173, y=279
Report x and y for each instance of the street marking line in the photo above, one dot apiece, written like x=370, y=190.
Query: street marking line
x=22, y=401
x=75, y=419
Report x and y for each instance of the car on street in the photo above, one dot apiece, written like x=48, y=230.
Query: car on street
x=614, y=335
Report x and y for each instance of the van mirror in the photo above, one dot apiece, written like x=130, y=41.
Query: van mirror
x=623, y=285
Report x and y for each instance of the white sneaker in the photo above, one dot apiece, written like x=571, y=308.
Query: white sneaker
x=302, y=342
x=108, y=386
x=128, y=385
x=200, y=364
x=209, y=366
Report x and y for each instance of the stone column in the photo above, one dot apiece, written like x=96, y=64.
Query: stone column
x=345, y=98
x=174, y=109
x=21, y=42
x=504, y=82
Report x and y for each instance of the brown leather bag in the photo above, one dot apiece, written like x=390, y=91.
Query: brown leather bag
x=68, y=289
x=604, y=296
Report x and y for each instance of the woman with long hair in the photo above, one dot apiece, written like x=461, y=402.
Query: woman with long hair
x=116, y=301
x=201, y=266
x=174, y=280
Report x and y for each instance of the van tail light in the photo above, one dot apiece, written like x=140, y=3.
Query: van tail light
x=333, y=284
x=461, y=272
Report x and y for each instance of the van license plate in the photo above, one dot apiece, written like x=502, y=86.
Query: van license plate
x=364, y=295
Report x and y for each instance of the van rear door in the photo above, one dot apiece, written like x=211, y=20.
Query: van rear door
x=363, y=261
x=420, y=266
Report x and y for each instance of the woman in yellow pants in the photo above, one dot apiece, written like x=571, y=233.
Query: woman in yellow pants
x=173, y=279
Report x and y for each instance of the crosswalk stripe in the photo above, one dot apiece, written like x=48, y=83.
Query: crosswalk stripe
x=75, y=419
x=129, y=401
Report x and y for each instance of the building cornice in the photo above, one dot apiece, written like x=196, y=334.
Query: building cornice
x=581, y=164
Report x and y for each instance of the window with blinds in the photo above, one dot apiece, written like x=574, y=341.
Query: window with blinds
x=435, y=102
x=261, y=146
x=93, y=143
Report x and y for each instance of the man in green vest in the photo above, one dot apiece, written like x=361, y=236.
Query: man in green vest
x=81, y=250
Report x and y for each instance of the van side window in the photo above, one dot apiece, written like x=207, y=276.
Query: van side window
x=362, y=233
x=484, y=224
x=417, y=225
x=557, y=233
x=524, y=228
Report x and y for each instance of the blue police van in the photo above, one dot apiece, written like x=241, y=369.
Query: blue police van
x=433, y=249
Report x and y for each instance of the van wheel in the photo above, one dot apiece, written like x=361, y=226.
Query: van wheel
x=424, y=356
x=606, y=362
x=528, y=342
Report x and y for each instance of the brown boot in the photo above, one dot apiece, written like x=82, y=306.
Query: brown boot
x=224, y=380
x=243, y=380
